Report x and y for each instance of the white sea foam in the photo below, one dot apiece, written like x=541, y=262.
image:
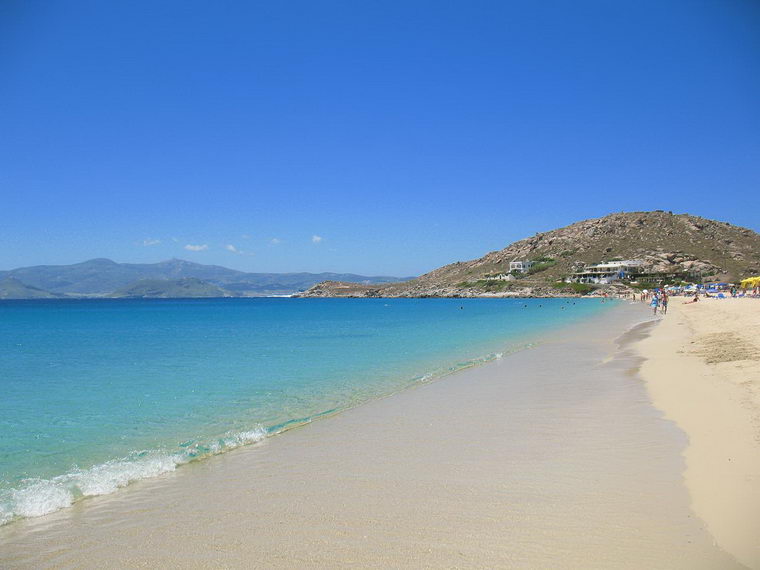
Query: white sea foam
x=110, y=476
x=233, y=440
x=37, y=497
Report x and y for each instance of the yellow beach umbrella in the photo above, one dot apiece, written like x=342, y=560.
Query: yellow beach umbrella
x=750, y=282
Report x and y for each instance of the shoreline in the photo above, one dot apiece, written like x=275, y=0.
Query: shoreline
x=557, y=455
x=702, y=369
x=118, y=473
x=463, y=294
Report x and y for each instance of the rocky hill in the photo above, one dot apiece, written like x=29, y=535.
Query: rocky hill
x=666, y=242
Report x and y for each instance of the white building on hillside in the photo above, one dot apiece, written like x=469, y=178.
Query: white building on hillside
x=520, y=266
x=607, y=271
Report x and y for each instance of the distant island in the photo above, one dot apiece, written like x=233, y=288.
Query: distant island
x=175, y=278
x=614, y=253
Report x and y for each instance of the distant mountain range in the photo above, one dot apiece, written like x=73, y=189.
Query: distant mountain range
x=173, y=278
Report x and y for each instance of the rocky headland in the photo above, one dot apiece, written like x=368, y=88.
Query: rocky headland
x=666, y=243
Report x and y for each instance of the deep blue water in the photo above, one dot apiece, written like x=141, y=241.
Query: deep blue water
x=95, y=394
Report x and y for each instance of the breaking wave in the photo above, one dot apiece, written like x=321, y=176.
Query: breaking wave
x=37, y=497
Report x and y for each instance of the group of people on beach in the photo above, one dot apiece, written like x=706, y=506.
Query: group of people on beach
x=657, y=299
x=746, y=292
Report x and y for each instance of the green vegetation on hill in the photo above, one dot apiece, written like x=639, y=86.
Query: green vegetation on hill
x=577, y=288
x=170, y=288
x=541, y=263
x=11, y=288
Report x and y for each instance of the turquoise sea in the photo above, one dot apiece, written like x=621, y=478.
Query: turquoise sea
x=95, y=394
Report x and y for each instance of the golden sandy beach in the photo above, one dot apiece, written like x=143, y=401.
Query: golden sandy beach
x=702, y=369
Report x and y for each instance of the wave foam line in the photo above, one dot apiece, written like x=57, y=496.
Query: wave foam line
x=37, y=497
x=494, y=356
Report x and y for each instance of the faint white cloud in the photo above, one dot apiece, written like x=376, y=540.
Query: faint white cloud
x=191, y=247
x=231, y=248
x=150, y=241
x=246, y=236
x=275, y=241
x=316, y=239
x=175, y=240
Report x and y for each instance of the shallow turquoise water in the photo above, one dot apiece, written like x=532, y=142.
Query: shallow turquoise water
x=99, y=393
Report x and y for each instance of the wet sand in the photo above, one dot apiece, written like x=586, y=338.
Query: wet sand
x=703, y=370
x=550, y=457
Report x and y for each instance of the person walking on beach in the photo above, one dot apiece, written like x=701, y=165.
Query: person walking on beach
x=654, y=304
x=664, y=303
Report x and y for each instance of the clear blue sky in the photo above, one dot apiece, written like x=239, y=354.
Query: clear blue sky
x=405, y=134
